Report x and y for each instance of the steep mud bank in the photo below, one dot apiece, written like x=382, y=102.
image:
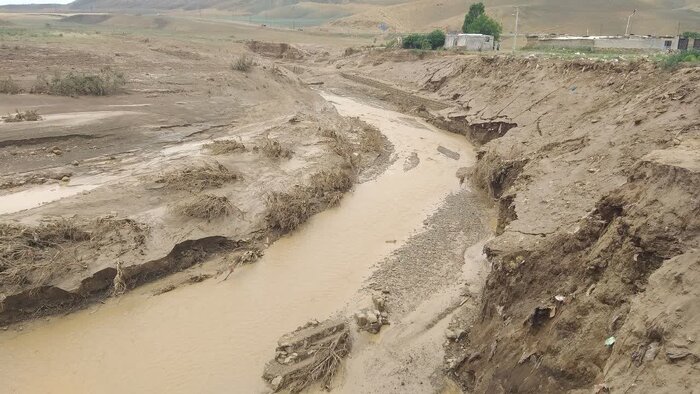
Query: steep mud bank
x=217, y=335
x=598, y=199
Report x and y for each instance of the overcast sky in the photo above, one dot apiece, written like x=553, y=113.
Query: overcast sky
x=6, y=2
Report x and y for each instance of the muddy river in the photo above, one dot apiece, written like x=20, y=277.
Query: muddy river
x=217, y=335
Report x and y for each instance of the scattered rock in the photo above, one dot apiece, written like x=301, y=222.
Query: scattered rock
x=372, y=319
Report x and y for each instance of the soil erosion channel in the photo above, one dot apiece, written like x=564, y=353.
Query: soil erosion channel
x=216, y=336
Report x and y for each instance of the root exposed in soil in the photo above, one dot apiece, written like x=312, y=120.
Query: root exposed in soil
x=205, y=206
x=288, y=210
x=209, y=176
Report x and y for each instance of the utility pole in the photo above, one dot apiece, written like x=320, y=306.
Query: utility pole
x=515, y=36
x=629, y=19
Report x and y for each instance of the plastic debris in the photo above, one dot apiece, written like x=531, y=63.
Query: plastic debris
x=610, y=341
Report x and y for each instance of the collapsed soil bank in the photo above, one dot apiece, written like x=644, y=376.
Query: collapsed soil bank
x=596, y=180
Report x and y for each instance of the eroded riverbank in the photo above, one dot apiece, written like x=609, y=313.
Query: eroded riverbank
x=215, y=336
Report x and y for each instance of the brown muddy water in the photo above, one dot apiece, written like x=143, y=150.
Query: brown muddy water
x=217, y=335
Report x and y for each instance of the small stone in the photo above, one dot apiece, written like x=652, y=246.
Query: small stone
x=75, y=163
x=372, y=318
x=65, y=179
x=276, y=382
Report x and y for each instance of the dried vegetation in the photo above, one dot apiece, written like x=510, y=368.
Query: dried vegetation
x=26, y=116
x=208, y=176
x=222, y=147
x=274, y=150
x=287, y=210
x=34, y=255
x=205, y=206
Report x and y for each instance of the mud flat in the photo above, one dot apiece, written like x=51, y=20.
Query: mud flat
x=218, y=334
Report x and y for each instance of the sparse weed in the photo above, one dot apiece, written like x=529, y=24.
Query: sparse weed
x=243, y=63
x=9, y=86
x=26, y=116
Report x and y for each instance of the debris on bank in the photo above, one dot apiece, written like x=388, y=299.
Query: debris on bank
x=372, y=319
x=310, y=354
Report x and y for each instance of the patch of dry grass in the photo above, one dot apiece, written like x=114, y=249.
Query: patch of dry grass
x=205, y=206
x=208, y=176
x=9, y=86
x=288, y=210
x=26, y=116
x=242, y=63
x=274, y=150
x=222, y=147
x=30, y=255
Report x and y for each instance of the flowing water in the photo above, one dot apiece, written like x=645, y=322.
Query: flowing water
x=216, y=336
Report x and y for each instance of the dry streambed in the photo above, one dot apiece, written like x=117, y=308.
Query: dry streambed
x=228, y=328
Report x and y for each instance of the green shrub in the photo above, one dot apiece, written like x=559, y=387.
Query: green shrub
x=675, y=60
x=691, y=34
x=9, y=86
x=432, y=40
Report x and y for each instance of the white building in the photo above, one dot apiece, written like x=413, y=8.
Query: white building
x=470, y=42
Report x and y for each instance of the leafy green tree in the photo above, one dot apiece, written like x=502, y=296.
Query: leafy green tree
x=436, y=38
x=475, y=11
x=485, y=25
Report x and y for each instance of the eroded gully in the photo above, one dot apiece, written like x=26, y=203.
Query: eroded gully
x=216, y=336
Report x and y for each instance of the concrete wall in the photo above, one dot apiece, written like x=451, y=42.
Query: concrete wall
x=559, y=43
x=641, y=43
x=470, y=42
x=636, y=43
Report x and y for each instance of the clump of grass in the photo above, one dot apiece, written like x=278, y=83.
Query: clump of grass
x=222, y=147
x=106, y=82
x=26, y=116
x=31, y=255
x=198, y=178
x=9, y=86
x=674, y=61
x=274, y=150
x=242, y=63
x=288, y=210
x=206, y=206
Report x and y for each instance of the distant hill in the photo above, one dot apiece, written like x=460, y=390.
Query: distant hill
x=536, y=16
